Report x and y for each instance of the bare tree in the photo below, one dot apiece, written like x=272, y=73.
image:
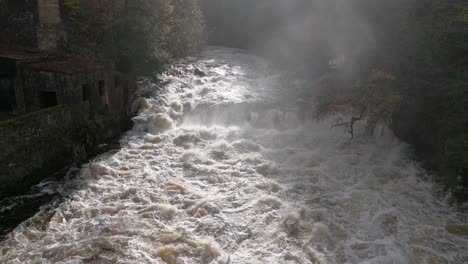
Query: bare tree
x=372, y=101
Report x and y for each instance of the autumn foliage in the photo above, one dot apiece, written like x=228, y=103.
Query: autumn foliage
x=371, y=100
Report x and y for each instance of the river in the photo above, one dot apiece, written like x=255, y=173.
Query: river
x=223, y=166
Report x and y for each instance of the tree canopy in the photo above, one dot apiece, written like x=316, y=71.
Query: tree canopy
x=139, y=35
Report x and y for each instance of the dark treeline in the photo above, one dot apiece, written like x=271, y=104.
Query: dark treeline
x=140, y=36
x=400, y=63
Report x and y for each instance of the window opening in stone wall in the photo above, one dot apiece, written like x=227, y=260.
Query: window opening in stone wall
x=117, y=80
x=48, y=99
x=86, y=92
x=102, y=88
x=7, y=95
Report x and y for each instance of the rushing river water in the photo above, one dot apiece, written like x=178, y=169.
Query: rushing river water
x=223, y=167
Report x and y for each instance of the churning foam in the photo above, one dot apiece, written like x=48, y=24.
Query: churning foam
x=222, y=168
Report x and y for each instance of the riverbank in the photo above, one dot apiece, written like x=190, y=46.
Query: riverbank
x=41, y=143
x=33, y=145
x=25, y=202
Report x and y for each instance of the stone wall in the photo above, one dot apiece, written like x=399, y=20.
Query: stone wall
x=49, y=12
x=32, y=146
x=68, y=89
x=18, y=23
x=50, y=31
x=31, y=24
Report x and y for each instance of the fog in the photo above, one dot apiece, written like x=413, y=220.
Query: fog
x=309, y=35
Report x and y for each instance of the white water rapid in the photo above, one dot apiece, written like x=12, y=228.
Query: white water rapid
x=223, y=167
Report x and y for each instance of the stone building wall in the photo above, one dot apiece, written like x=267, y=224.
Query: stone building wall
x=49, y=12
x=18, y=23
x=32, y=24
x=51, y=33
x=68, y=89
x=32, y=146
x=61, y=95
x=7, y=88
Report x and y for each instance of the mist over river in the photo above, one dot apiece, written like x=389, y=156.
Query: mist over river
x=227, y=165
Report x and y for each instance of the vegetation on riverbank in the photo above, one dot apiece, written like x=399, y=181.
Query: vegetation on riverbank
x=432, y=72
x=139, y=36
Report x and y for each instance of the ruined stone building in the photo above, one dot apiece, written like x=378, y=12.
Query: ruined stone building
x=70, y=82
x=31, y=24
x=35, y=75
x=45, y=94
